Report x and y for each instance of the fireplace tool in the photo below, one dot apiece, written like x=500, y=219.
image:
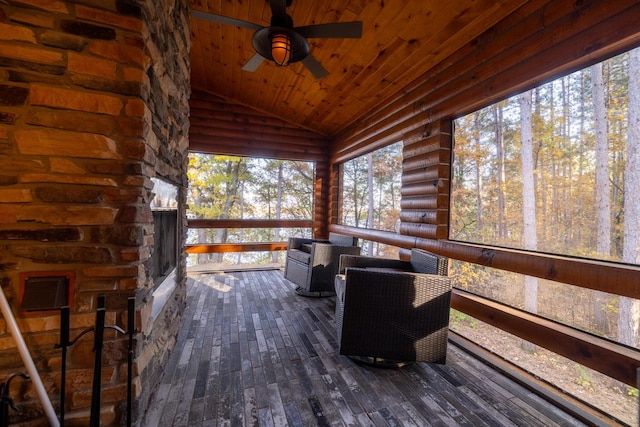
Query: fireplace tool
x=5, y=399
x=98, y=331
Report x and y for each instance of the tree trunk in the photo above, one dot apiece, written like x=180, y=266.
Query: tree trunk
x=370, y=199
x=202, y=232
x=528, y=201
x=629, y=308
x=276, y=233
x=500, y=175
x=479, y=189
x=241, y=231
x=603, y=189
x=234, y=168
x=356, y=204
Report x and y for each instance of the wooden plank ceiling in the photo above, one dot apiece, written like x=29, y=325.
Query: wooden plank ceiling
x=402, y=40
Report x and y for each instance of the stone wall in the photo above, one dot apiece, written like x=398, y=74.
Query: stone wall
x=166, y=93
x=93, y=104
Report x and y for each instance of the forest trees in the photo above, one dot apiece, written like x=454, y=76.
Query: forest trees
x=581, y=196
x=530, y=235
x=630, y=308
x=223, y=187
x=371, y=193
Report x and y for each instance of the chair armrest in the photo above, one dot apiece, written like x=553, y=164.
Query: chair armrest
x=297, y=242
x=347, y=261
x=327, y=253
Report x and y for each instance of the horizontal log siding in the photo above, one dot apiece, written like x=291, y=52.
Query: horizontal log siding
x=542, y=40
x=222, y=127
x=335, y=196
x=321, y=200
x=425, y=180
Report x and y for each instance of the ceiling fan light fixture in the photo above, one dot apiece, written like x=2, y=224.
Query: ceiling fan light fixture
x=281, y=48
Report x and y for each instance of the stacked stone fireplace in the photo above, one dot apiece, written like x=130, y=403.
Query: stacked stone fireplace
x=94, y=120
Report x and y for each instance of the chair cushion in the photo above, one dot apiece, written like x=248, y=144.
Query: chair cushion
x=300, y=256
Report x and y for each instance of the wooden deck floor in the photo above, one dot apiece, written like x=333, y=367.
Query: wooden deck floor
x=252, y=353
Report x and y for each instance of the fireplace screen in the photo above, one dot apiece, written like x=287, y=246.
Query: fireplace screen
x=164, y=205
x=165, y=244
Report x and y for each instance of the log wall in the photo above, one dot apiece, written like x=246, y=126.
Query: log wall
x=219, y=126
x=540, y=41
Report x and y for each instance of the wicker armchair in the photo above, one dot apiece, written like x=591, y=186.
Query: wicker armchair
x=391, y=312
x=312, y=264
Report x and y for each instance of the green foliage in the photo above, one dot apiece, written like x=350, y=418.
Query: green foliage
x=458, y=319
x=584, y=379
x=222, y=187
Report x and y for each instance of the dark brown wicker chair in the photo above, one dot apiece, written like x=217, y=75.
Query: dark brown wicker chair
x=312, y=264
x=390, y=312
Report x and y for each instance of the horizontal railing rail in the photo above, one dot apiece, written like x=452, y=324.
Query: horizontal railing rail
x=610, y=358
x=249, y=223
x=217, y=248
x=204, y=248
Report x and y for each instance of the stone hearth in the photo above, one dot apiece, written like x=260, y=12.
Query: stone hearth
x=93, y=107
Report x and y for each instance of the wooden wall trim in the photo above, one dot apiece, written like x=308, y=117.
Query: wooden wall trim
x=211, y=248
x=617, y=279
x=612, y=359
x=385, y=237
x=249, y=223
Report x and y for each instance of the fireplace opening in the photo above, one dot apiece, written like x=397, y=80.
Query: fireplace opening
x=166, y=245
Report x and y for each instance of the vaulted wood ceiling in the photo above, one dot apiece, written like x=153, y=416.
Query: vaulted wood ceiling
x=402, y=40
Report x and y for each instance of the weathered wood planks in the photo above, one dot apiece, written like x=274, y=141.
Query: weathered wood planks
x=252, y=353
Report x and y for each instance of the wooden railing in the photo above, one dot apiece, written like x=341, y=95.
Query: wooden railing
x=202, y=248
x=612, y=359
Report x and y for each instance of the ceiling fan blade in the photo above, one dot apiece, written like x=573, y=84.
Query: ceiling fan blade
x=253, y=63
x=315, y=67
x=279, y=11
x=348, y=30
x=206, y=16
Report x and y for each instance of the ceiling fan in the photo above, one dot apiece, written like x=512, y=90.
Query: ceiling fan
x=283, y=43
